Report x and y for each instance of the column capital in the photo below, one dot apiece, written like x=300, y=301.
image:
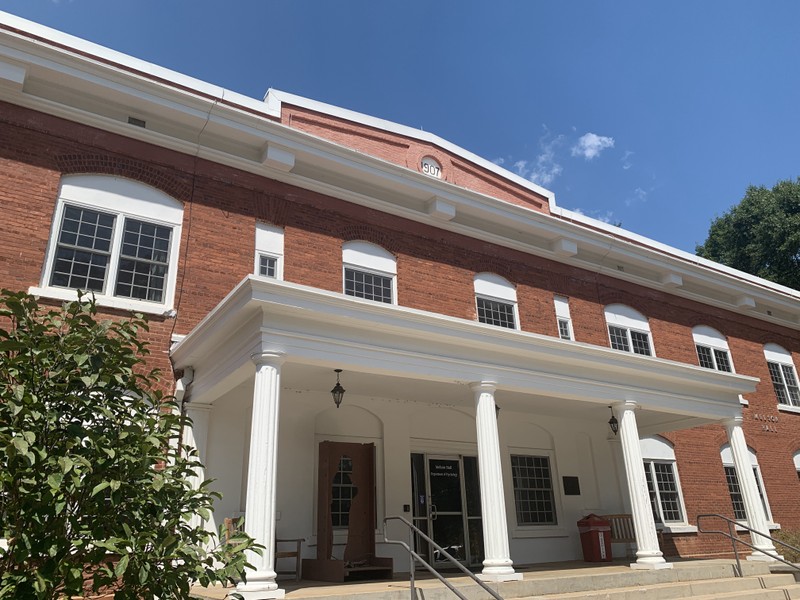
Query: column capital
x=273, y=359
x=197, y=407
x=731, y=422
x=618, y=407
x=483, y=386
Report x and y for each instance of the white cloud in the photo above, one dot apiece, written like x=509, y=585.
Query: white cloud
x=626, y=160
x=603, y=216
x=547, y=168
x=590, y=145
x=499, y=161
x=639, y=196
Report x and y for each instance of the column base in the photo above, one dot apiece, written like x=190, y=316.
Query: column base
x=758, y=556
x=257, y=590
x=651, y=563
x=498, y=577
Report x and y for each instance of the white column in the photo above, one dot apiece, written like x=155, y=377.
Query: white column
x=196, y=437
x=648, y=553
x=259, y=520
x=747, y=484
x=497, y=564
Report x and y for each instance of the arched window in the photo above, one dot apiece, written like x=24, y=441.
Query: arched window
x=661, y=473
x=269, y=251
x=369, y=272
x=628, y=330
x=797, y=463
x=734, y=486
x=496, y=300
x=712, y=349
x=783, y=375
x=117, y=238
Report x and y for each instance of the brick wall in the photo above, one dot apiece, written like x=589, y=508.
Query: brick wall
x=435, y=273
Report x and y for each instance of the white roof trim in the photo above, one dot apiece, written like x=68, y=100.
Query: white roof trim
x=275, y=98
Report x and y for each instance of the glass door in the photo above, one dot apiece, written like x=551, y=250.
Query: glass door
x=447, y=507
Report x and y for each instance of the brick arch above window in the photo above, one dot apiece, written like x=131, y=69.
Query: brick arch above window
x=136, y=170
x=365, y=233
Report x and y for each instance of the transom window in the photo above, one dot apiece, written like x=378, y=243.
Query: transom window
x=369, y=272
x=783, y=375
x=533, y=490
x=495, y=300
x=666, y=500
x=116, y=238
x=712, y=349
x=269, y=251
x=628, y=330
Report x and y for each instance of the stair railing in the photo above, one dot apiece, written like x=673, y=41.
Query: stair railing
x=415, y=557
x=731, y=535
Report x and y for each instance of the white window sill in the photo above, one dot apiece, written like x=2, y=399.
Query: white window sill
x=539, y=532
x=770, y=525
x=678, y=528
x=67, y=295
x=789, y=409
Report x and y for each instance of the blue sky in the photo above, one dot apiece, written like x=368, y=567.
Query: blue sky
x=657, y=115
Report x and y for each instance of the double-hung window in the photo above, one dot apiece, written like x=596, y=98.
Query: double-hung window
x=783, y=375
x=496, y=301
x=712, y=349
x=735, y=485
x=628, y=330
x=666, y=500
x=116, y=238
x=369, y=272
x=533, y=490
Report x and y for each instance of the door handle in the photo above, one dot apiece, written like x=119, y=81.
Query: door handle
x=434, y=512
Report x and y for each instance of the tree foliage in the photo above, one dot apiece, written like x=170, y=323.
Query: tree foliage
x=95, y=492
x=761, y=234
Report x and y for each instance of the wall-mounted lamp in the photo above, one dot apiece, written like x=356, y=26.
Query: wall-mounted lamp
x=338, y=391
x=612, y=422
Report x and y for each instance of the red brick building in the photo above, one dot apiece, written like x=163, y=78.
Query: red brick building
x=482, y=331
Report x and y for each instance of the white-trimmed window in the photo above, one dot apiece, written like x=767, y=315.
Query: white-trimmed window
x=628, y=330
x=661, y=472
x=712, y=349
x=496, y=300
x=369, y=272
x=269, y=251
x=534, y=498
x=563, y=318
x=734, y=485
x=114, y=237
x=797, y=463
x=783, y=375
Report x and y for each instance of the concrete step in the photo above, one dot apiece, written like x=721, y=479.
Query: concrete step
x=707, y=588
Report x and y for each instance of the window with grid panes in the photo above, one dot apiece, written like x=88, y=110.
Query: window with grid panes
x=495, y=312
x=629, y=340
x=84, y=254
x=784, y=382
x=564, y=331
x=267, y=265
x=371, y=286
x=713, y=358
x=735, y=490
x=664, y=495
x=343, y=492
x=533, y=490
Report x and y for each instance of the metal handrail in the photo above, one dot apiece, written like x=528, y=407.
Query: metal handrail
x=735, y=538
x=414, y=556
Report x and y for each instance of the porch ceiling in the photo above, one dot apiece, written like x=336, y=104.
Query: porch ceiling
x=391, y=351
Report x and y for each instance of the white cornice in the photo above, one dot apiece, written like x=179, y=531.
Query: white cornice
x=311, y=324
x=57, y=74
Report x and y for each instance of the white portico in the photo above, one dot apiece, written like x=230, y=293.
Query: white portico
x=425, y=385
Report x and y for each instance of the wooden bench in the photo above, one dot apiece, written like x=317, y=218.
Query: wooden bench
x=622, y=530
x=296, y=553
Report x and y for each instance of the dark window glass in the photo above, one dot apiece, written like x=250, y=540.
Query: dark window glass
x=142, y=271
x=640, y=342
x=267, y=265
x=371, y=286
x=735, y=491
x=533, y=490
x=343, y=493
x=497, y=313
x=83, y=250
x=705, y=357
x=723, y=360
x=564, y=329
x=619, y=338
